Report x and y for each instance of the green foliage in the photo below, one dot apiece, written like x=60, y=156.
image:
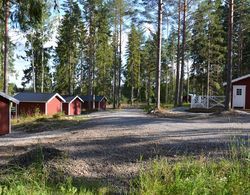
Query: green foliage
x=58, y=115
x=39, y=178
x=208, y=47
x=194, y=177
x=70, y=47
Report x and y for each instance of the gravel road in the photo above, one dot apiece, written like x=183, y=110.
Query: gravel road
x=110, y=144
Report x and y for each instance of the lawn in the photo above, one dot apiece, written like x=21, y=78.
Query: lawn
x=40, y=123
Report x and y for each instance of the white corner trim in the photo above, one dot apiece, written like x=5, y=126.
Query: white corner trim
x=55, y=96
x=76, y=98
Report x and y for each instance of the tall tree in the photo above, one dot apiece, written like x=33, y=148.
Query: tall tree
x=177, y=85
x=180, y=96
x=159, y=48
x=229, y=54
x=133, y=61
x=68, y=51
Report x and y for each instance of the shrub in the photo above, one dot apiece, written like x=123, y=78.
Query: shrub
x=58, y=115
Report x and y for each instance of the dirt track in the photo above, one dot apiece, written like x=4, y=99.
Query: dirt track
x=109, y=145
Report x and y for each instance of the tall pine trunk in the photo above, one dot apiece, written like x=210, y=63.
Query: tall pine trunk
x=177, y=83
x=183, y=54
x=120, y=62
x=6, y=47
x=229, y=56
x=158, y=70
x=33, y=65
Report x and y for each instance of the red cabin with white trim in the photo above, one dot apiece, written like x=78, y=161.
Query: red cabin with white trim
x=73, y=105
x=241, y=92
x=5, y=114
x=43, y=103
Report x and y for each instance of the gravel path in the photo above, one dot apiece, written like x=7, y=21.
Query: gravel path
x=109, y=145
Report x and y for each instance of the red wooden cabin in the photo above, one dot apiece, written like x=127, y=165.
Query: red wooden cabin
x=100, y=102
x=73, y=105
x=5, y=115
x=241, y=92
x=44, y=103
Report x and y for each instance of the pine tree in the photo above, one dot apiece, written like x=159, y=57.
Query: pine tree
x=133, y=61
x=68, y=51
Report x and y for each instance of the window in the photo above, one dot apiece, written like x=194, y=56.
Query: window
x=239, y=92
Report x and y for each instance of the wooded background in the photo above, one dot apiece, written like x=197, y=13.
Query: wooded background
x=174, y=48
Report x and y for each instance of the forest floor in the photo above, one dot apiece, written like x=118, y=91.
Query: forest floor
x=111, y=146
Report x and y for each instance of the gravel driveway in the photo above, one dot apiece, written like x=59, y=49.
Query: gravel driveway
x=110, y=144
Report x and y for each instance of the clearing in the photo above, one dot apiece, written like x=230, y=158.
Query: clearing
x=111, y=146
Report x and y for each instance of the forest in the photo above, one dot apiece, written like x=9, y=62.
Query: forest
x=152, y=51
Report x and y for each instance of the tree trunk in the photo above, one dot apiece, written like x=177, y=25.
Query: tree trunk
x=208, y=73
x=33, y=66
x=42, y=87
x=158, y=70
x=177, y=83
x=229, y=56
x=240, y=51
x=183, y=54
x=6, y=48
x=132, y=95
x=120, y=62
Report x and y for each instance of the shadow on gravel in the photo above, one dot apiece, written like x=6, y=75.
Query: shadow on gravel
x=124, y=149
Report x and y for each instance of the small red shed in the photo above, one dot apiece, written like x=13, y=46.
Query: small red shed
x=241, y=92
x=5, y=114
x=44, y=103
x=100, y=102
x=73, y=105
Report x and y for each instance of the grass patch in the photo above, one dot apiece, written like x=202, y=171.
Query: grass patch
x=41, y=177
x=192, y=176
x=40, y=123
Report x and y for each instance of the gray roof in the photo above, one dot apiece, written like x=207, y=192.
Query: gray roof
x=36, y=97
x=88, y=98
x=68, y=98
x=11, y=99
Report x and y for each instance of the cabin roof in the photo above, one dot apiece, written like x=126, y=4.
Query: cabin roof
x=36, y=97
x=11, y=99
x=88, y=98
x=70, y=99
x=238, y=79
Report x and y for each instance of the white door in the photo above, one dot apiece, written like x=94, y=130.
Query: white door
x=239, y=96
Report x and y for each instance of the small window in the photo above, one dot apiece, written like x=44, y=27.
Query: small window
x=239, y=92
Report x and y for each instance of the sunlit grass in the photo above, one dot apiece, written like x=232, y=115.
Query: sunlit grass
x=38, y=123
x=230, y=175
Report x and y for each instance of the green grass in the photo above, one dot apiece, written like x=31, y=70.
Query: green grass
x=39, y=123
x=190, y=176
x=42, y=177
x=229, y=175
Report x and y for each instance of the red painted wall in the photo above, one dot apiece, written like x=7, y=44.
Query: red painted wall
x=103, y=104
x=247, y=83
x=54, y=106
x=4, y=116
x=65, y=108
x=30, y=108
x=85, y=105
x=75, y=107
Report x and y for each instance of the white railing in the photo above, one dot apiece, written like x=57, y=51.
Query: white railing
x=207, y=101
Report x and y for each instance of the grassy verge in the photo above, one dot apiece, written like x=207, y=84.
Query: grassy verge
x=190, y=176
x=40, y=172
x=39, y=123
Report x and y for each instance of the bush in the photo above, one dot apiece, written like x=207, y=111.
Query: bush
x=58, y=115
